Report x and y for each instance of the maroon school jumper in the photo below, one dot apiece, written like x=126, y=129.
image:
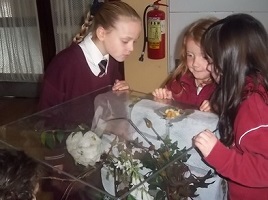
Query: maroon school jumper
x=245, y=164
x=69, y=76
x=185, y=90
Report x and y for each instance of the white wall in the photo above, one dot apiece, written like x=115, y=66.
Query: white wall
x=183, y=12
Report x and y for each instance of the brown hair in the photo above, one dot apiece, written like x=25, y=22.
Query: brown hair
x=107, y=15
x=19, y=175
x=237, y=46
x=194, y=31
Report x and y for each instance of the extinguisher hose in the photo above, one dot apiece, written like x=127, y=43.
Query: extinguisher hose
x=145, y=39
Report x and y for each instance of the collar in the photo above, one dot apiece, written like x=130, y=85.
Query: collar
x=92, y=54
x=187, y=78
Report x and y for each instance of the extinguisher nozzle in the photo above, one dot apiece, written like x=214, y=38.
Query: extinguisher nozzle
x=141, y=58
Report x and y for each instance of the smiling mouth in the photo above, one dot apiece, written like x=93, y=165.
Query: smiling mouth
x=198, y=71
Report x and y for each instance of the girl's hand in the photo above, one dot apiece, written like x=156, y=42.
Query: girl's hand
x=205, y=106
x=162, y=93
x=120, y=85
x=205, y=141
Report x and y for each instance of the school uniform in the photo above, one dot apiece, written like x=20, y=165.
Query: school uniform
x=74, y=72
x=185, y=90
x=246, y=162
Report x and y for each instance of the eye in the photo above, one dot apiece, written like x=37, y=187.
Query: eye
x=125, y=40
x=189, y=55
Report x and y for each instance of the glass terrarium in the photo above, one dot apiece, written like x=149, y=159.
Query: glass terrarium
x=118, y=145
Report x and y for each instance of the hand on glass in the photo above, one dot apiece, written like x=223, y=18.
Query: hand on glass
x=120, y=85
x=162, y=93
x=205, y=106
x=205, y=141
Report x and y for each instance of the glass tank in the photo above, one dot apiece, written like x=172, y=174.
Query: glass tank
x=117, y=145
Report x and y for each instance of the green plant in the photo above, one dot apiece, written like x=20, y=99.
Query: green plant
x=176, y=181
x=162, y=173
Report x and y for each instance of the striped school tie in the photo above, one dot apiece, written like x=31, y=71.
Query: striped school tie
x=102, y=66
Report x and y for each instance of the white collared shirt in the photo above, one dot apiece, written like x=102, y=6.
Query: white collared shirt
x=199, y=88
x=92, y=54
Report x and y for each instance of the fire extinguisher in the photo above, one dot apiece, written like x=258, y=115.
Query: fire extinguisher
x=154, y=33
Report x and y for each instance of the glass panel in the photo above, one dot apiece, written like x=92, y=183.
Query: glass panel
x=113, y=145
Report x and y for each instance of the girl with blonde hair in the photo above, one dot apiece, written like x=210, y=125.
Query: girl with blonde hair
x=191, y=82
x=92, y=61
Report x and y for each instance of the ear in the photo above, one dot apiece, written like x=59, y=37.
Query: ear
x=100, y=32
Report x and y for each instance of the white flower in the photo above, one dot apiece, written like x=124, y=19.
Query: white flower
x=142, y=193
x=119, y=165
x=127, y=165
x=85, y=149
x=129, y=172
x=73, y=140
x=136, y=179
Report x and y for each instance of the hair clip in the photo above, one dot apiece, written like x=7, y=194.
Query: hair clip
x=95, y=7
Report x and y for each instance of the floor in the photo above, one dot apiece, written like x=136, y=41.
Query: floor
x=13, y=108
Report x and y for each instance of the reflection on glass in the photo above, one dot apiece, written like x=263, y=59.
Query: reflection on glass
x=114, y=145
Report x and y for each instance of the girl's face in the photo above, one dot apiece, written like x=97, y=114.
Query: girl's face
x=196, y=62
x=119, y=41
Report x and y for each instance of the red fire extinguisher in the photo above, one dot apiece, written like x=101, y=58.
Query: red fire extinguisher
x=154, y=36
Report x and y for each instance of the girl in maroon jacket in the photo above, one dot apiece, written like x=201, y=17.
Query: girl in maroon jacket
x=191, y=82
x=108, y=35
x=237, y=50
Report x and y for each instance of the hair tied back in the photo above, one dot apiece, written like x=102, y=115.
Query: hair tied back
x=95, y=7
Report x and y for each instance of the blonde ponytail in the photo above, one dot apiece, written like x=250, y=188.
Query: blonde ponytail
x=106, y=16
x=85, y=28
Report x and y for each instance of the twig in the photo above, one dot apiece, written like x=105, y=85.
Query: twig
x=149, y=124
x=58, y=179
